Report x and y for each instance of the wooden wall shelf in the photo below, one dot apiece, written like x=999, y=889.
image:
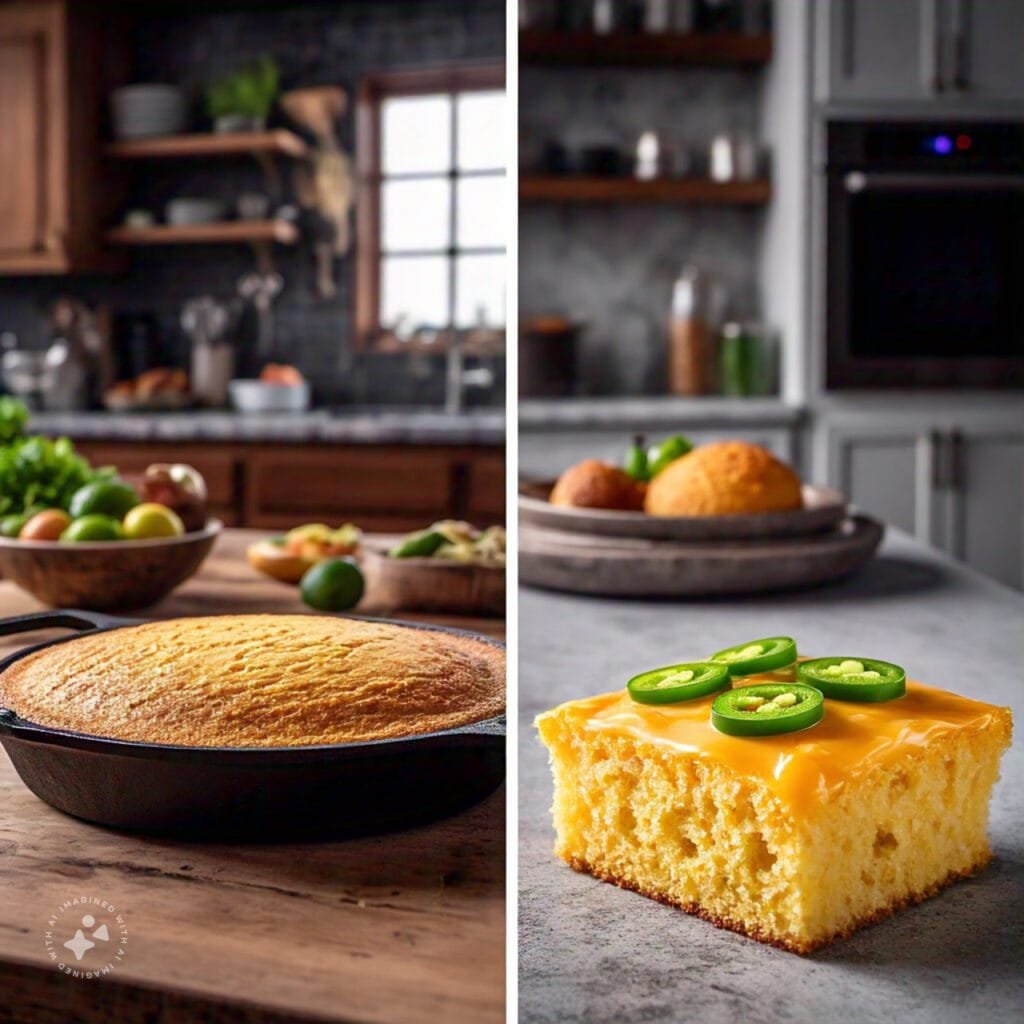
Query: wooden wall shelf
x=230, y=232
x=568, y=189
x=539, y=46
x=277, y=142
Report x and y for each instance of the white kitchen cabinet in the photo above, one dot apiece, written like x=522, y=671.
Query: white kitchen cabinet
x=957, y=487
x=948, y=52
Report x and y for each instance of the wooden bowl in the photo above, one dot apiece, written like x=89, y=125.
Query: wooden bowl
x=433, y=584
x=105, y=575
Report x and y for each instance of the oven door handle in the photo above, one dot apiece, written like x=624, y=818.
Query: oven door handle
x=861, y=181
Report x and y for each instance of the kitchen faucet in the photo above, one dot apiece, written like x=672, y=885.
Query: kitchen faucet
x=457, y=377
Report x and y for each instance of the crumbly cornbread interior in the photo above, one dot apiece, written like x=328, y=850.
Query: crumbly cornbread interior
x=732, y=834
x=258, y=681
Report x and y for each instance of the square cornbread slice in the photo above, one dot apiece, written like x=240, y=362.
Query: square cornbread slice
x=794, y=839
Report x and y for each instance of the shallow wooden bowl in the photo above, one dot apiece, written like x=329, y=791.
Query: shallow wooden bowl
x=432, y=584
x=105, y=575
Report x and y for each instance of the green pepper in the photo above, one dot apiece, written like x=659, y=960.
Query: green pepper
x=635, y=463
x=660, y=455
x=758, y=655
x=675, y=683
x=10, y=526
x=862, y=679
x=767, y=709
x=419, y=545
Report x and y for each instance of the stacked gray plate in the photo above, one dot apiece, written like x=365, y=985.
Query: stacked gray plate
x=142, y=111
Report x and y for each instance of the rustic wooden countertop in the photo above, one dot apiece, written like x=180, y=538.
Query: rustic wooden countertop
x=403, y=927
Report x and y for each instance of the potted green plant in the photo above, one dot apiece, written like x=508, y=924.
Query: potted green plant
x=241, y=101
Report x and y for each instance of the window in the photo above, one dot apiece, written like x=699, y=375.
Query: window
x=431, y=227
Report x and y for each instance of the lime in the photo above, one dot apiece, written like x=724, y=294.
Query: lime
x=93, y=527
x=10, y=526
x=103, y=497
x=150, y=520
x=334, y=585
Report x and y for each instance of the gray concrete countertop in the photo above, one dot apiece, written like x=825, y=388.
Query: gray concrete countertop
x=361, y=425
x=592, y=952
x=577, y=413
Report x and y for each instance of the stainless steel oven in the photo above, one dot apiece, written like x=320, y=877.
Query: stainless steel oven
x=925, y=255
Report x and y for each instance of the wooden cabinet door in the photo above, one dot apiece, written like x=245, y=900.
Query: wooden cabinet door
x=33, y=194
x=878, y=49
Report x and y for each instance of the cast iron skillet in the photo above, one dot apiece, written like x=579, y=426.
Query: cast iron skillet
x=251, y=793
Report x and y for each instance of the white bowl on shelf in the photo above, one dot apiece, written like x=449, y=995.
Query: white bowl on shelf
x=188, y=210
x=146, y=110
x=254, y=397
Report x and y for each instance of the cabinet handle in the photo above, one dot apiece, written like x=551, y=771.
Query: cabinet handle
x=937, y=446
x=957, y=462
x=959, y=33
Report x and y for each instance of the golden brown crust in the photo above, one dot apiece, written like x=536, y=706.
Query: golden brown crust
x=258, y=680
x=595, y=484
x=754, y=932
x=724, y=478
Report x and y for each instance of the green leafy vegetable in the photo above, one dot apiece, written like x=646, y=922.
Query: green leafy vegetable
x=250, y=91
x=36, y=472
x=13, y=417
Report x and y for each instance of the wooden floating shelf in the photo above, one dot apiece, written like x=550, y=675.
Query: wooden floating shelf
x=568, y=189
x=278, y=142
x=255, y=232
x=539, y=46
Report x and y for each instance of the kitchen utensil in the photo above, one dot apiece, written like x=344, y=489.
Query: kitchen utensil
x=105, y=575
x=259, y=396
x=204, y=321
x=631, y=567
x=823, y=508
x=432, y=584
x=733, y=156
x=547, y=357
x=261, y=289
x=143, y=110
x=187, y=210
x=262, y=793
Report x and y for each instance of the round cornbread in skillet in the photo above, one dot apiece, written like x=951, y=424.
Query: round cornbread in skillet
x=259, y=681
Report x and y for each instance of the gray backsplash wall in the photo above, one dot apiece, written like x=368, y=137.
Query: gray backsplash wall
x=314, y=44
x=613, y=266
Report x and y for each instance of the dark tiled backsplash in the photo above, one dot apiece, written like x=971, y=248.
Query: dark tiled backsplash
x=613, y=266
x=314, y=44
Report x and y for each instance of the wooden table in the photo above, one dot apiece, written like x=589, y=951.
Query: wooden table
x=404, y=927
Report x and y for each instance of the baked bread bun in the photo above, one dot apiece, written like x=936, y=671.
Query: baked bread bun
x=726, y=478
x=258, y=681
x=595, y=484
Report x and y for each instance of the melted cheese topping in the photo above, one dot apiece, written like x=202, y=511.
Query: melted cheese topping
x=801, y=768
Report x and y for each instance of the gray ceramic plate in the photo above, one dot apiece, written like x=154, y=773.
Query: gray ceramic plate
x=823, y=509
x=627, y=567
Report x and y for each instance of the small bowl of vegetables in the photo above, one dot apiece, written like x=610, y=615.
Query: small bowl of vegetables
x=451, y=566
x=75, y=536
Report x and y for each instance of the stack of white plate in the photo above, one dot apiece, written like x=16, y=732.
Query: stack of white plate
x=141, y=111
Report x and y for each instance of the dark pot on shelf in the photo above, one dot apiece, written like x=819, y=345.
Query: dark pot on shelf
x=547, y=357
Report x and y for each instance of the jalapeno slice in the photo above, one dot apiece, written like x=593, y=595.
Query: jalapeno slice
x=864, y=679
x=758, y=655
x=767, y=709
x=675, y=683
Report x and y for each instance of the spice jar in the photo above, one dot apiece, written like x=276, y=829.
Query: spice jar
x=693, y=356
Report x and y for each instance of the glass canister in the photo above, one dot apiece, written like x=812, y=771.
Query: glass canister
x=692, y=355
x=748, y=355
